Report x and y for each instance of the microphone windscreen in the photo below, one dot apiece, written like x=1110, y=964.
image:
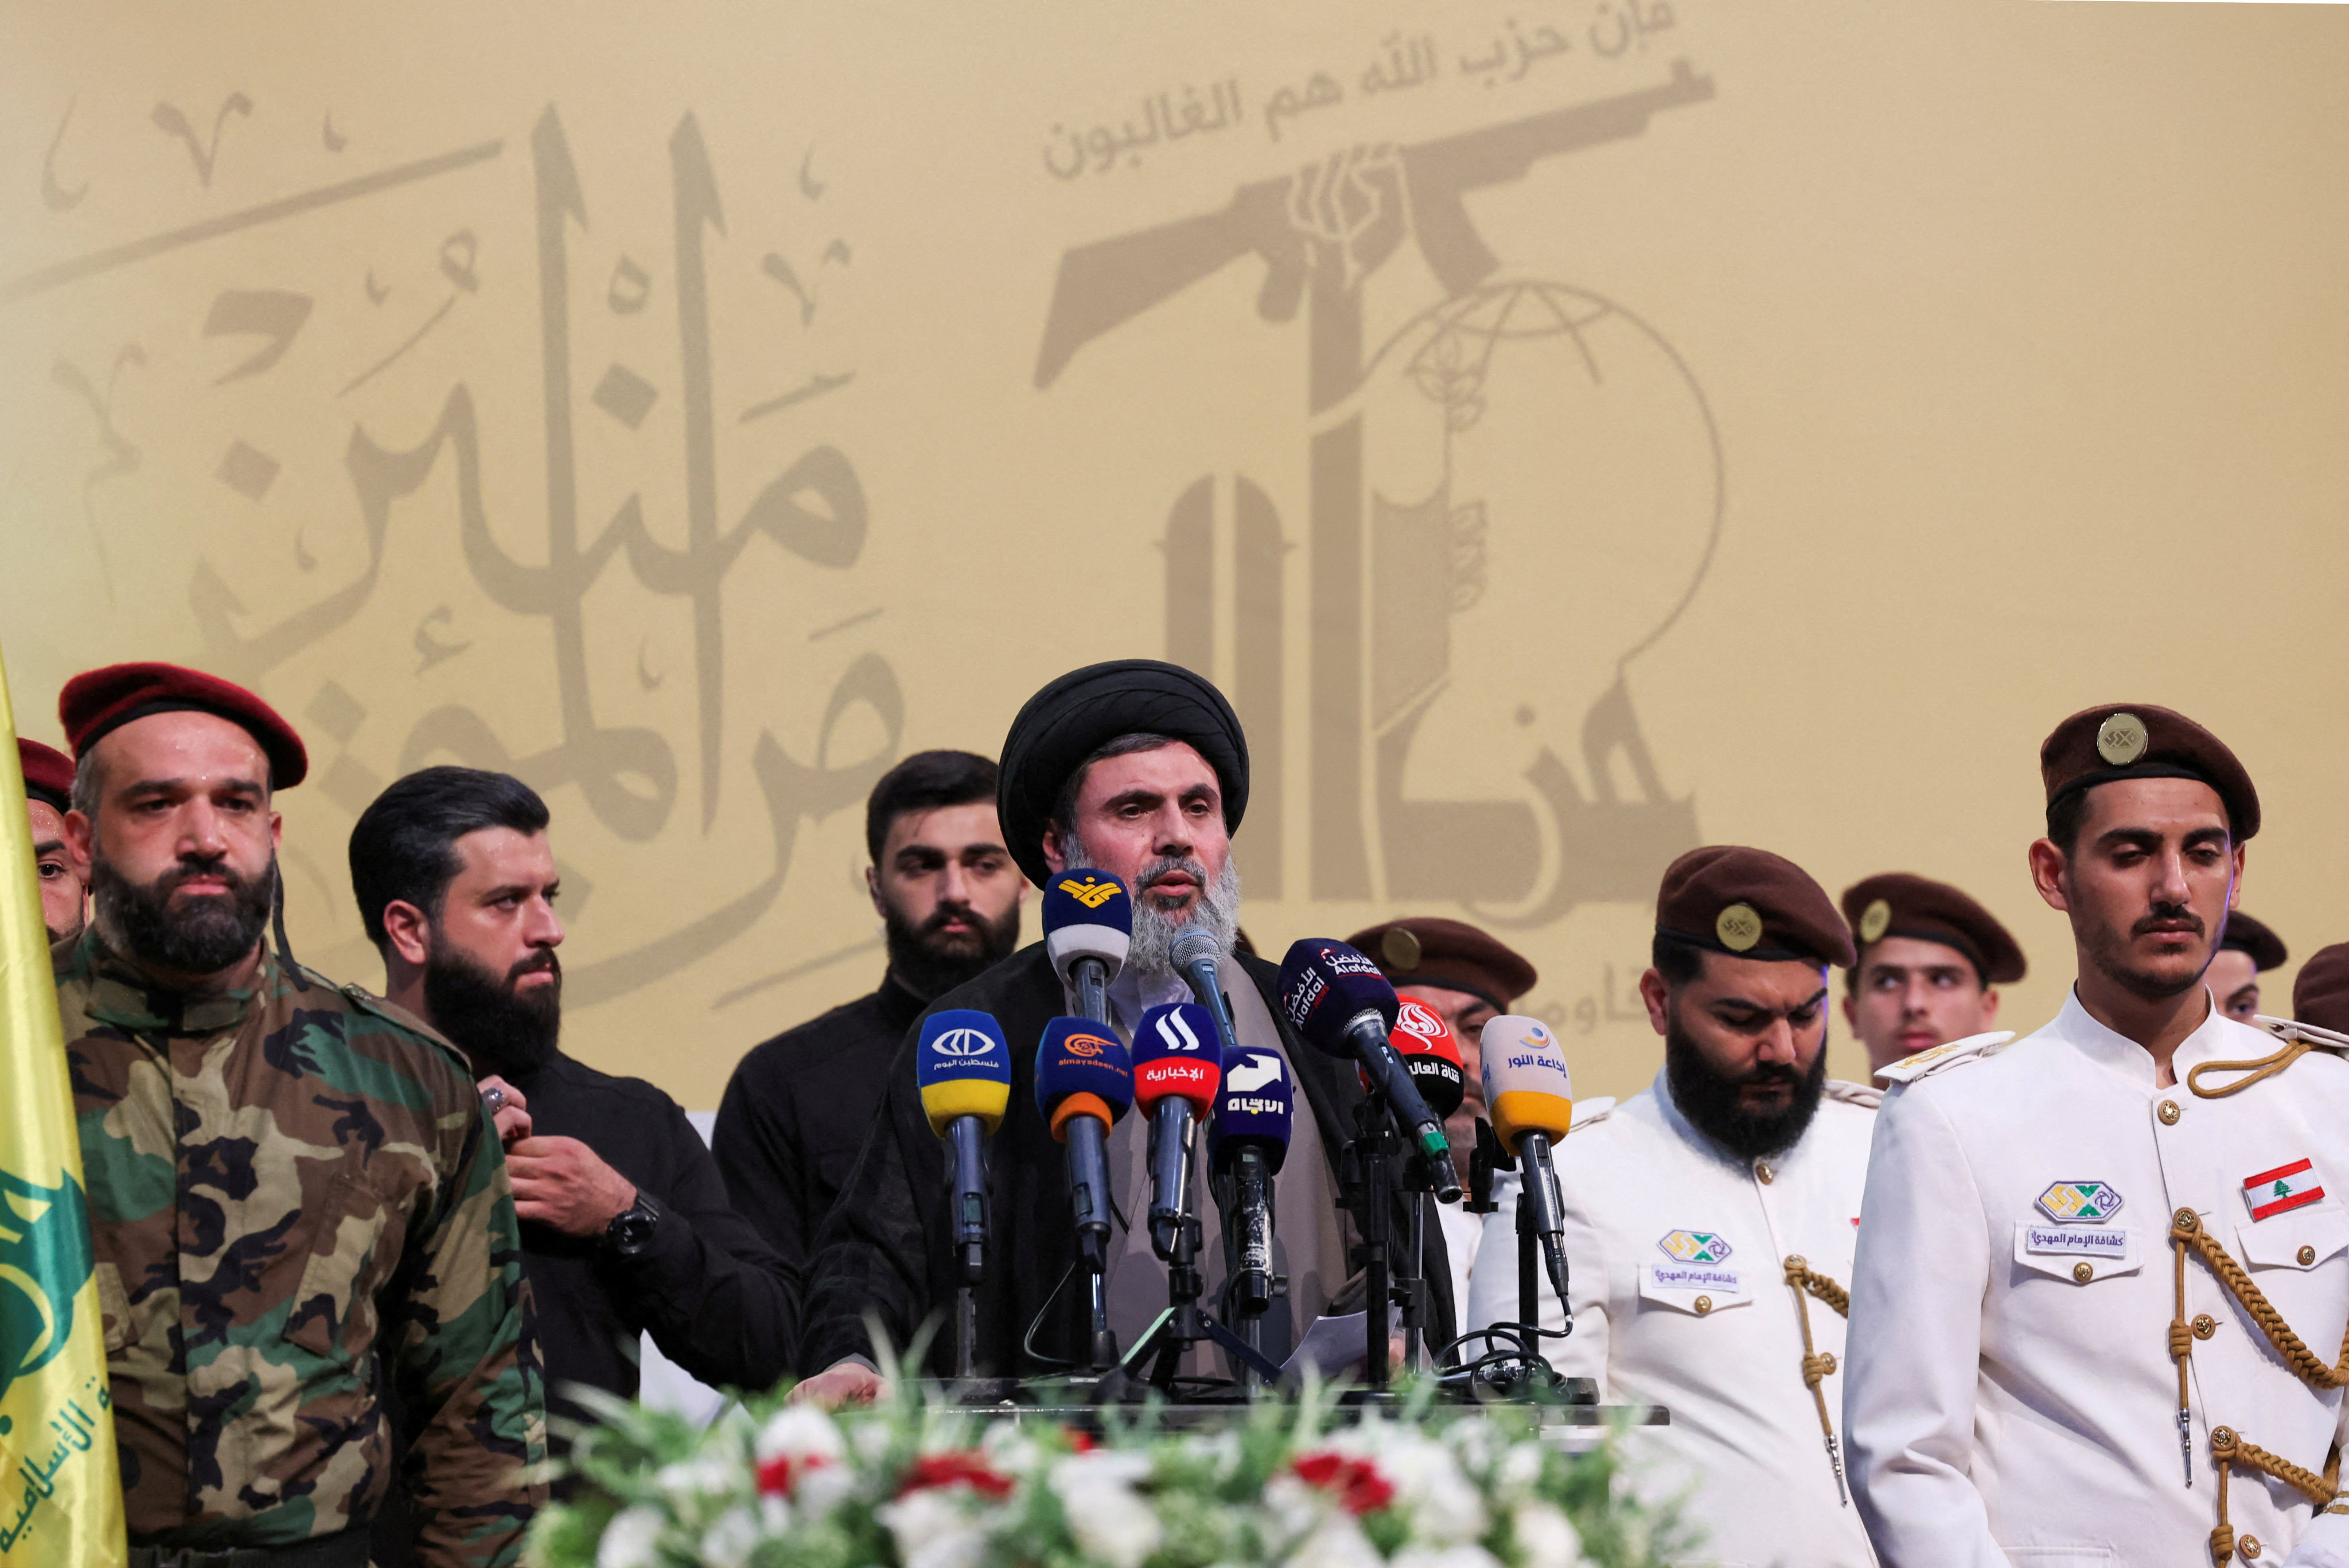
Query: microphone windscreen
x=1324, y=986
x=1087, y=914
x=1077, y=1056
x=963, y=1067
x=1254, y=1107
x=1176, y=1053
x=1424, y=1042
x=1527, y=1086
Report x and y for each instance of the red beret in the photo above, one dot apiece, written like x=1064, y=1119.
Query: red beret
x=97, y=703
x=2245, y=935
x=1898, y=904
x=2138, y=741
x=2321, y=995
x=1751, y=904
x=48, y=773
x=1448, y=952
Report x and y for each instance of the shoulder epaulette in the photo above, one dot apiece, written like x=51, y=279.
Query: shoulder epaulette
x=367, y=1001
x=1941, y=1057
x=1590, y=1112
x=1864, y=1095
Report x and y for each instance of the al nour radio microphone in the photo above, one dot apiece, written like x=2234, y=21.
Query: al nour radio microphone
x=1247, y=1139
x=1178, y=1066
x=1088, y=919
x=1530, y=1097
x=1084, y=1082
x=963, y=1069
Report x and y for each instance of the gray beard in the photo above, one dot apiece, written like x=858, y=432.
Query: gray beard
x=1216, y=912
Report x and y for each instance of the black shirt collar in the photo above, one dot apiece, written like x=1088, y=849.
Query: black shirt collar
x=899, y=1007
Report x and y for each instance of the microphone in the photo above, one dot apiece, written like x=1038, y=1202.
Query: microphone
x=1531, y=1099
x=1247, y=1138
x=1193, y=956
x=1084, y=1081
x=964, y=1071
x=1342, y=1005
x=1088, y=925
x=1431, y=1055
x=1177, y=1066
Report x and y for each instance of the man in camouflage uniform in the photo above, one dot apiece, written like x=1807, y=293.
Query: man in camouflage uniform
x=296, y=1201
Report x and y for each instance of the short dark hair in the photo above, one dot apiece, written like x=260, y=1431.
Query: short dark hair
x=1064, y=808
x=1677, y=961
x=924, y=782
x=404, y=845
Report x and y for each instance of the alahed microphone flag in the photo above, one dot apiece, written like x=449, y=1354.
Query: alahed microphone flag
x=60, y=1490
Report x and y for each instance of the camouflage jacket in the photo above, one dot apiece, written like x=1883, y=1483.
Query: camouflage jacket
x=296, y=1201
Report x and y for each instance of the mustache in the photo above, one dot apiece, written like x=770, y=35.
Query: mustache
x=543, y=959
x=2175, y=915
x=1157, y=871
x=946, y=912
x=191, y=866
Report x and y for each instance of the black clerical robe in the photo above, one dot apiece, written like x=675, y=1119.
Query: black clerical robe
x=886, y=1247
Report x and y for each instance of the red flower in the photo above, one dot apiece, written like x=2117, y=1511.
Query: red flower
x=1357, y=1483
x=1080, y=1443
x=959, y=1467
x=780, y=1474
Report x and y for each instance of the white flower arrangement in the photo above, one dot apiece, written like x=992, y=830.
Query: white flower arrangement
x=917, y=1483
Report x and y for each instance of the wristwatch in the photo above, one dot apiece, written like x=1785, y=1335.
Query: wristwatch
x=631, y=1229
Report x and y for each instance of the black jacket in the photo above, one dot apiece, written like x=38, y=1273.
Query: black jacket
x=710, y=1292
x=885, y=1247
x=796, y=1111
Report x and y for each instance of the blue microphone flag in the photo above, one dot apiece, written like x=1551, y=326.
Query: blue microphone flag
x=963, y=1067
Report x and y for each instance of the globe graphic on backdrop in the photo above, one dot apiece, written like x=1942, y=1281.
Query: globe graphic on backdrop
x=1523, y=422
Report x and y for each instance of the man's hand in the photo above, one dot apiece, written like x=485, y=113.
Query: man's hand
x=510, y=1109
x=843, y=1383
x=562, y=1182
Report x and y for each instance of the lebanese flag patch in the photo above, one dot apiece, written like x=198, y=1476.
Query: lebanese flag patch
x=2272, y=1192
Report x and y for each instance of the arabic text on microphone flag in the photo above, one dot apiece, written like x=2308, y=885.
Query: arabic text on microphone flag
x=60, y=1491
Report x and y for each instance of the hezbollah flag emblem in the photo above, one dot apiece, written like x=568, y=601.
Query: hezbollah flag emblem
x=60, y=1492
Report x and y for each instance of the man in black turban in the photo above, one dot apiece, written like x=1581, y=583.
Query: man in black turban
x=1138, y=768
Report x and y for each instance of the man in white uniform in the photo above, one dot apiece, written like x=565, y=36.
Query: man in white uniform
x=2054, y=1354
x=1930, y=961
x=1708, y=1219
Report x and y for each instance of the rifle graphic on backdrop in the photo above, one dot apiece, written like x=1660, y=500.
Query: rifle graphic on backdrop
x=1321, y=232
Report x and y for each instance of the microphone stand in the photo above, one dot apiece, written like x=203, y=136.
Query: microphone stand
x=1184, y=1325
x=1252, y=1285
x=1090, y=977
x=1367, y=1175
x=970, y=1241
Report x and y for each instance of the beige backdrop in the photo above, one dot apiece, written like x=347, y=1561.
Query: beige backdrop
x=1573, y=430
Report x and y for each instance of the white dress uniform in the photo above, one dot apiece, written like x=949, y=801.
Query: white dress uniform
x=2011, y=1397
x=1675, y=1253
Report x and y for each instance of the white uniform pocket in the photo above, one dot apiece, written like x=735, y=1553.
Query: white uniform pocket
x=1697, y=1289
x=2300, y=1239
x=2077, y=1252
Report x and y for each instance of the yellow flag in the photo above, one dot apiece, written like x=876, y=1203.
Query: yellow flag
x=60, y=1492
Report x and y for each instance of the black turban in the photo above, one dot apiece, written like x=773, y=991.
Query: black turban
x=1084, y=710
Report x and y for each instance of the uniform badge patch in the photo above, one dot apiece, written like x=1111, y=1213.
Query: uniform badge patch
x=2285, y=1188
x=2085, y=1201
x=1695, y=1247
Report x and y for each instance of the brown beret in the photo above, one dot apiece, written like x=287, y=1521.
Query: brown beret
x=97, y=703
x=1448, y=952
x=1898, y=904
x=48, y=773
x=2321, y=995
x=2138, y=741
x=2245, y=935
x=1751, y=904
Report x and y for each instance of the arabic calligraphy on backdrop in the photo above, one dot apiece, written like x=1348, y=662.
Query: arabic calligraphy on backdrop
x=1613, y=29
x=587, y=582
